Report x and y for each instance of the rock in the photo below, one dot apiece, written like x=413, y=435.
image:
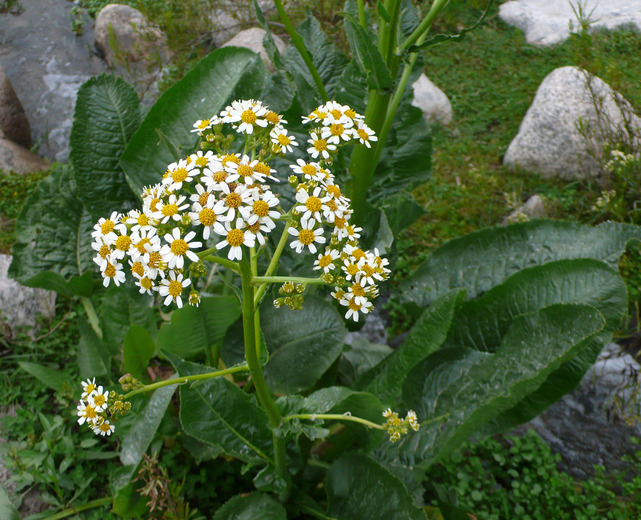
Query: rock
x=252, y=39
x=230, y=17
x=13, y=121
x=549, y=142
x=432, y=101
x=15, y=157
x=533, y=208
x=546, y=22
x=585, y=426
x=46, y=64
x=20, y=305
x=133, y=47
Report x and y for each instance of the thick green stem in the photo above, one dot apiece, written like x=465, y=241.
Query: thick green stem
x=186, y=379
x=208, y=257
x=273, y=263
x=284, y=279
x=361, y=13
x=422, y=28
x=300, y=46
x=92, y=316
x=336, y=417
x=256, y=371
x=74, y=510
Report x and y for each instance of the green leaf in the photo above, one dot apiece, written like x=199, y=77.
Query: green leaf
x=139, y=348
x=303, y=344
x=484, y=259
x=107, y=114
x=165, y=134
x=217, y=412
x=268, y=41
x=54, y=379
x=94, y=357
x=256, y=506
x=53, y=249
x=401, y=210
x=140, y=435
x=7, y=509
x=424, y=338
x=360, y=357
x=474, y=391
x=358, y=488
x=193, y=329
x=351, y=88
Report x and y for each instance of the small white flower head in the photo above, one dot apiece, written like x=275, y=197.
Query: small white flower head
x=235, y=238
x=144, y=242
x=205, y=124
x=208, y=214
x=237, y=202
x=88, y=387
x=104, y=428
x=261, y=209
x=306, y=236
x=244, y=172
x=179, y=173
x=111, y=269
x=281, y=141
x=310, y=171
x=201, y=160
x=152, y=198
x=317, y=116
x=412, y=420
x=354, y=308
x=319, y=146
x=105, y=228
x=311, y=205
x=103, y=249
x=244, y=115
x=86, y=413
x=99, y=399
x=141, y=221
x=336, y=113
x=364, y=134
x=357, y=293
x=171, y=288
x=177, y=248
x=145, y=284
x=325, y=261
x=122, y=246
x=171, y=208
x=337, y=132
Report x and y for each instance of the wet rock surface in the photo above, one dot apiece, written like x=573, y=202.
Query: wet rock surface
x=13, y=120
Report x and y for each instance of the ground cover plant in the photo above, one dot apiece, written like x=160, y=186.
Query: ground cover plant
x=311, y=427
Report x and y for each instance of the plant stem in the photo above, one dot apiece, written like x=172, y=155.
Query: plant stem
x=273, y=263
x=256, y=371
x=73, y=510
x=361, y=13
x=186, y=379
x=422, y=28
x=283, y=279
x=300, y=46
x=205, y=255
x=334, y=416
x=92, y=316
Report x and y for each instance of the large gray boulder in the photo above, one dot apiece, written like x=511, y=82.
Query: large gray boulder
x=546, y=22
x=14, y=157
x=13, y=120
x=549, y=141
x=231, y=16
x=432, y=101
x=252, y=39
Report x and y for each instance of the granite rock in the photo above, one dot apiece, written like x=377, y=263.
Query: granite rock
x=252, y=39
x=432, y=101
x=13, y=120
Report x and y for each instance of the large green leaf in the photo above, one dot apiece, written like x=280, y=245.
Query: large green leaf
x=106, y=116
x=194, y=329
x=359, y=358
x=138, y=349
x=358, y=488
x=256, y=506
x=481, y=260
x=165, y=134
x=53, y=249
x=472, y=392
x=425, y=337
x=54, y=379
x=303, y=344
x=218, y=412
x=94, y=357
x=7, y=510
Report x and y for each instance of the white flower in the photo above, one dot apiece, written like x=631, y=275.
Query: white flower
x=320, y=147
x=200, y=159
x=311, y=205
x=178, y=173
x=281, y=140
x=239, y=200
x=141, y=221
x=105, y=228
x=88, y=387
x=353, y=308
x=311, y=171
x=104, y=428
x=144, y=242
x=244, y=172
x=261, y=209
x=87, y=413
x=99, y=399
x=246, y=112
x=306, y=236
x=177, y=248
x=111, y=269
x=364, y=134
x=234, y=238
x=172, y=287
x=207, y=215
x=170, y=209
x=325, y=261
x=336, y=132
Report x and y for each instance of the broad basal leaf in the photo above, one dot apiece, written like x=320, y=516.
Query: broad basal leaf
x=54, y=379
x=53, y=232
x=256, y=506
x=303, y=344
x=138, y=349
x=165, y=134
x=106, y=116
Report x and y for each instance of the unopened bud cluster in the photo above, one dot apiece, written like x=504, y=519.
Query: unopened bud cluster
x=397, y=427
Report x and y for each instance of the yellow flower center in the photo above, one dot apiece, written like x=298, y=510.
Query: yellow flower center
x=123, y=243
x=358, y=290
x=175, y=288
x=339, y=222
x=358, y=254
x=179, y=247
x=220, y=176
x=140, y=246
x=107, y=227
x=272, y=117
x=143, y=220
x=90, y=412
x=261, y=167
x=284, y=140
x=354, y=306
x=309, y=169
x=99, y=400
x=110, y=271
x=207, y=217
x=339, y=294
x=334, y=190
x=320, y=145
x=313, y=204
x=154, y=259
x=203, y=124
x=204, y=197
x=254, y=228
x=337, y=129
x=350, y=113
x=230, y=158
x=179, y=174
x=235, y=237
x=146, y=283
x=201, y=162
x=90, y=388
x=104, y=250
x=169, y=209
x=325, y=261
x=363, y=134
x=244, y=170
x=153, y=205
x=248, y=116
x=336, y=114
x=368, y=270
x=233, y=200
x=331, y=204
x=352, y=269
x=105, y=427
x=137, y=268
x=261, y=208
x=306, y=236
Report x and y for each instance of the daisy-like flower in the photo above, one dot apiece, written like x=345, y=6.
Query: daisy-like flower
x=262, y=209
x=202, y=194
x=235, y=238
x=111, y=269
x=170, y=210
x=214, y=175
x=306, y=236
x=274, y=118
x=205, y=124
x=171, y=288
x=177, y=248
x=104, y=428
x=103, y=249
x=152, y=198
x=88, y=387
x=247, y=113
x=238, y=201
x=121, y=247
x=325, y=261
x=412, y=420
x=244, y=172
x=105, y=228
x=336, y=114
x=337, y=132
x=144, y=242
x=145, y=285
x=179, y=173
x=99, y=399
x=281, y=141
x=364, y=134
x=357, y=293
x=311, y=205
x=320, y=147
x=207, y=214
x=86, y=413
x=200, y=159
x=354, y=308
x=311, y=171
x=317, y=116
x=141, y=221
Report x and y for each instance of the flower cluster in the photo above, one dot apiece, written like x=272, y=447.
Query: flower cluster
x=397, y=427
x=100, y=408
x=222, y=199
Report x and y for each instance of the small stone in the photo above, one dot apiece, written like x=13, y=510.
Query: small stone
x=432, y=101
x=549, y=142
x=547, y=22
x=230, y=17
x=252, y=39
x=13, y=120
x=14, y=157
x=533, y=208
